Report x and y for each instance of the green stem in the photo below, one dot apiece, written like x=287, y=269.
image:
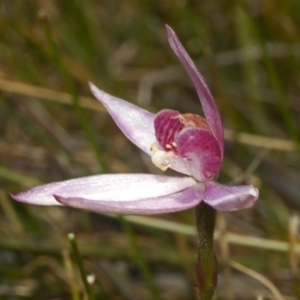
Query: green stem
x=206, y=266
x=78, y=260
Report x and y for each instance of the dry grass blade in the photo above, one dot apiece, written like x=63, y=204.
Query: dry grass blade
x=258, y=277
x=259, y=141
x=233, y=238
x=47, y=94
x=89, y=103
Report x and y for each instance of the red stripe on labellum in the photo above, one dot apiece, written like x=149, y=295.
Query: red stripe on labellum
x=169, y=123
x=167, y=126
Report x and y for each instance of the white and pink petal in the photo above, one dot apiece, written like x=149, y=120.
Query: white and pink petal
x=179, y=201
x=230, y=198
x=136, y=123
x=110, y=187
x=209, y=106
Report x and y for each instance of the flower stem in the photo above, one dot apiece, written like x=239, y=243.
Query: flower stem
x=206, y=266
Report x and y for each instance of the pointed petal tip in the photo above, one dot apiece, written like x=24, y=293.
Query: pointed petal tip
x=254, y=192
x=103, y=97
x=172, y=39
x=35, y=197
x=15, y=197
x=251, y=197
x=169, y=29
x=209, y=106
x=99, y=94
x=91, y=85
x=19, y=197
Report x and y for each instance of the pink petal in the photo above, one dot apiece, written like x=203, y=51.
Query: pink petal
x=229, y=198
x=210, y=108
x=112, y=187
x=201, y=151
x=145, y=206
x=136, y=123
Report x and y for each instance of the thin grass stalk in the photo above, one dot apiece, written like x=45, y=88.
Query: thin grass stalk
x=71, y=87
x=71, y=275
x=78, y=260
x=276, y=85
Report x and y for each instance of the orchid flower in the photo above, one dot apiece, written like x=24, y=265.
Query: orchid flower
x=187, y=143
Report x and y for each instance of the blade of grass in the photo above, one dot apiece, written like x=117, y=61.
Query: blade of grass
x=54, y=247
x=71, y=275
x=48, y=94
x=290, y=124
x=11, y=213
x=72, y=240
x=17, y=177
x=71, y=87
x=250, y=68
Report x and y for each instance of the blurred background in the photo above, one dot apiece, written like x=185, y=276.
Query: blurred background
x=53, y=129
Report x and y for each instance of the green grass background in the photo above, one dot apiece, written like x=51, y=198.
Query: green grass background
x=52, y=129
